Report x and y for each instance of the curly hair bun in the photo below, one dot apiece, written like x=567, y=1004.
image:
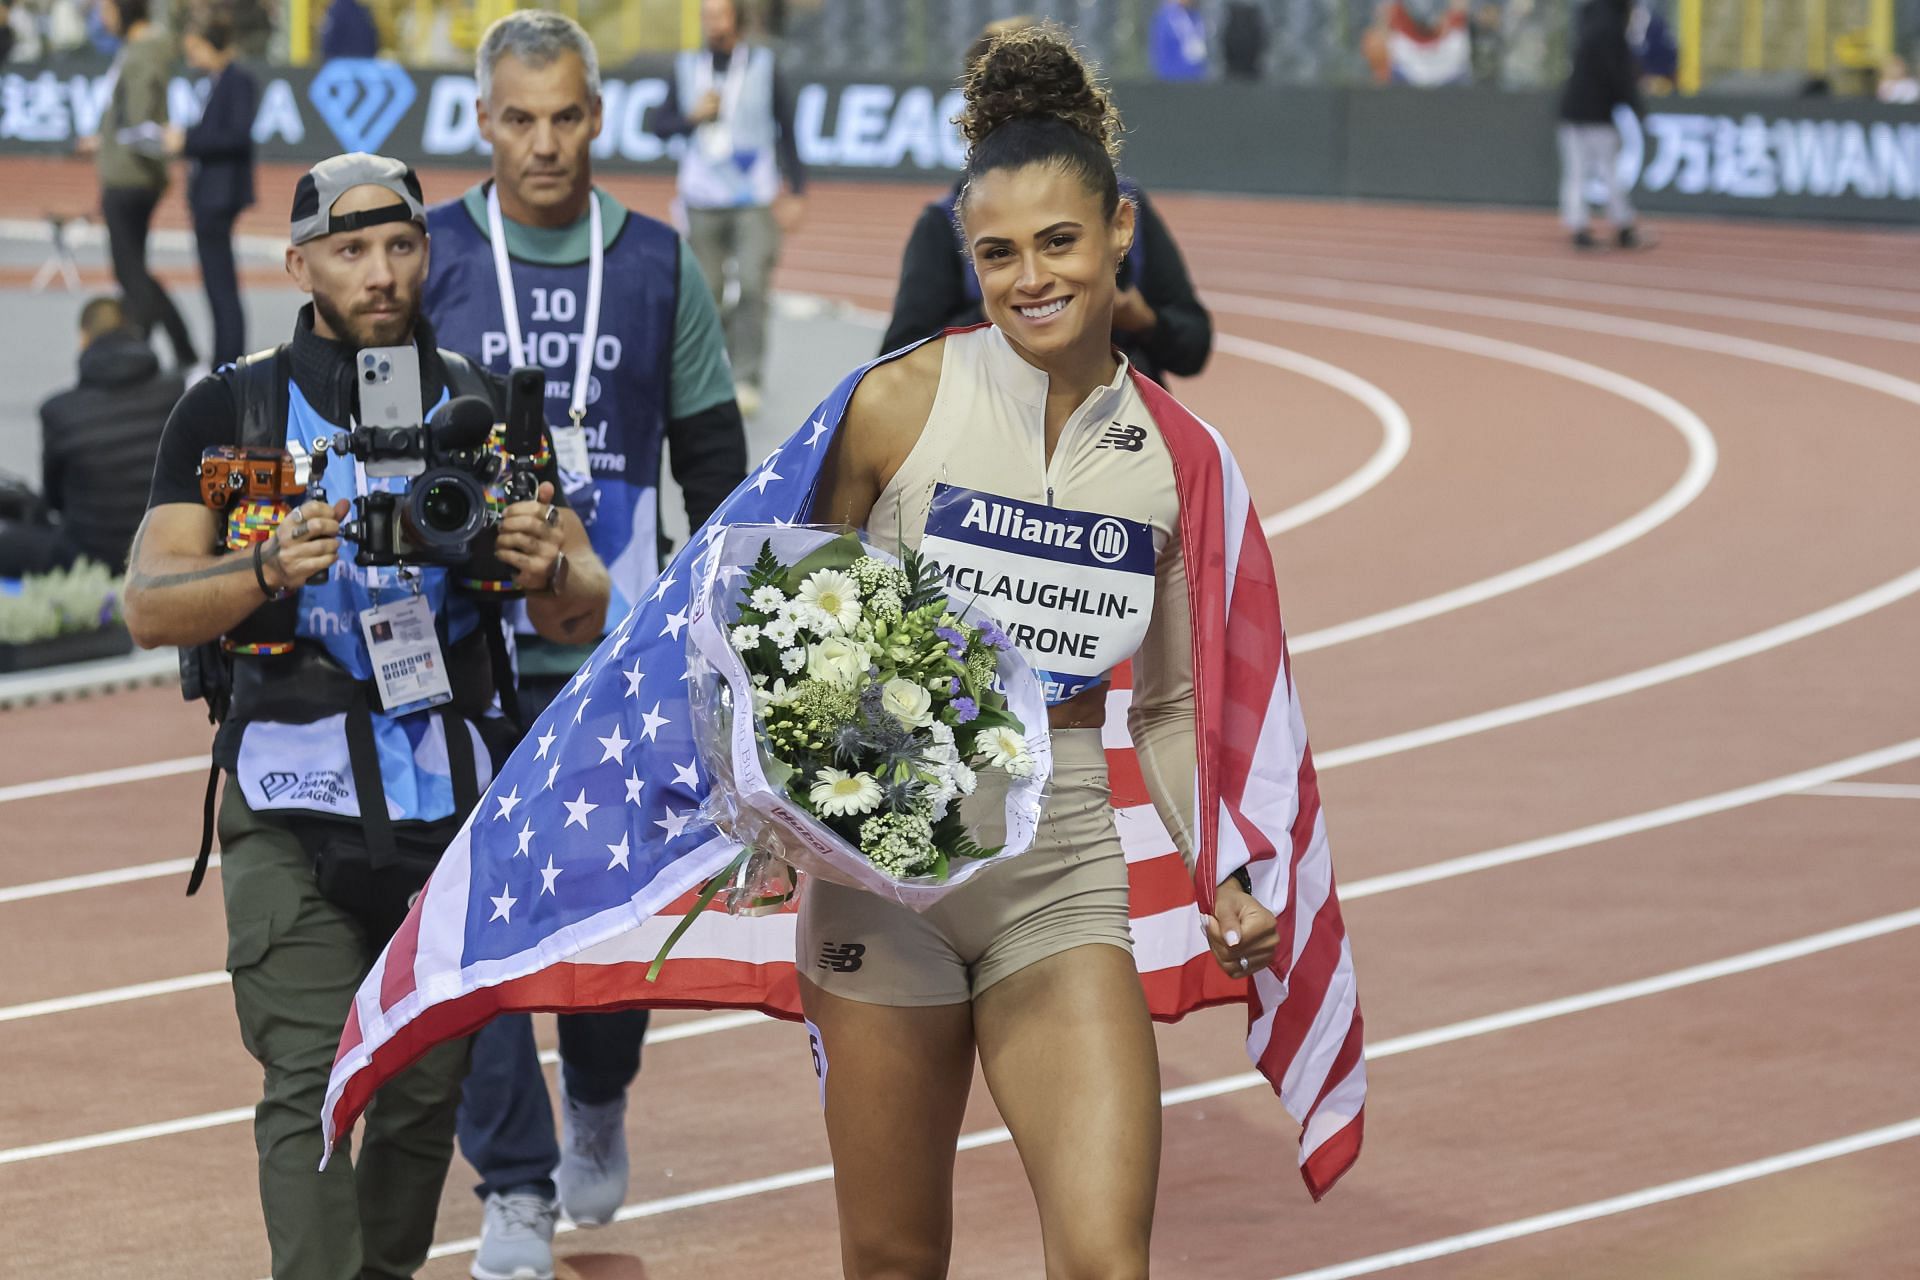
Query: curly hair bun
x=1035, y=73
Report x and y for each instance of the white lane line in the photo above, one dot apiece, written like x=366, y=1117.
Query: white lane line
x=114, y=995
x=1739, y=797
x=100, y=879
x=1591, y=292
x=1449, y=1034
x=119, y=1137
x=1702, y=457
x=1618, y=686
x=1633, y=327
x=1685, y=1187
x=1396, y=433
x=1386, y=884
x=1867, y=790
x=234, y=1115
x=104, y=778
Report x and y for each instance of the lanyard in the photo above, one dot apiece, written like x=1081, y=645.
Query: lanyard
x=509, y=308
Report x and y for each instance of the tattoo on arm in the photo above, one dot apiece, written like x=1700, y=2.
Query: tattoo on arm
x=160, y=581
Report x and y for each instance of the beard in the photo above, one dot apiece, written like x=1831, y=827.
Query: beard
x=358, y=330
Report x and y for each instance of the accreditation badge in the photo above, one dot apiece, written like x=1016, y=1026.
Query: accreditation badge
x=1074, y=589
x=404, y=649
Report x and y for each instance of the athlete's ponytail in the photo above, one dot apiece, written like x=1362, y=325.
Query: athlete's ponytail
x=1032, y=99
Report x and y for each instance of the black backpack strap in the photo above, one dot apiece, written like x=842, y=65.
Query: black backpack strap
x=259, y=385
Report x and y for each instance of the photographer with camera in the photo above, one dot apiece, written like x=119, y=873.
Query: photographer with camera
x=353, y=653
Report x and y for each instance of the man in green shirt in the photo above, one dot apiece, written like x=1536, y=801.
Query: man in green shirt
x=536, y=267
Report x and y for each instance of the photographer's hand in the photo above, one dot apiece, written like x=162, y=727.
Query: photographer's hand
x=546, y=547
x=305, y=543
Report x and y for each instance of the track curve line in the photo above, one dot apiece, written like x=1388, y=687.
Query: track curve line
x=1703, y=456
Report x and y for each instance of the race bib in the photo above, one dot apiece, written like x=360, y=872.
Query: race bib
x=1074, y=589
x=405, y=652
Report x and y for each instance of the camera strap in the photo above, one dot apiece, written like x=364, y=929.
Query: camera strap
x=570, y=445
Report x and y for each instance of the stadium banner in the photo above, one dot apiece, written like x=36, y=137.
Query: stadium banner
x=1828, y=158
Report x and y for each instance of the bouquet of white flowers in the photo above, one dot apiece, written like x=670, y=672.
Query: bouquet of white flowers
x=874, y=706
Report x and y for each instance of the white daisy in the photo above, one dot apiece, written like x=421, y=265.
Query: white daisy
x=838, y=793
x=781, y=631
x=745, y=637
x=835, y=595
x=1005, y=749
x=793, y=660
x=768, y=599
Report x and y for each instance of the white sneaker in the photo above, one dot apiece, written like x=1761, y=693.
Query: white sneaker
x=516, y=1243
x=747, y=396
x=592, y=1175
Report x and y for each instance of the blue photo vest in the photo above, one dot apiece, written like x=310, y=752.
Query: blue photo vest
x=305, y=766
x=628, y=396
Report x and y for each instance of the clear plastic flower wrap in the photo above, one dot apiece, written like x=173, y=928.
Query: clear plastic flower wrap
x=894, y=740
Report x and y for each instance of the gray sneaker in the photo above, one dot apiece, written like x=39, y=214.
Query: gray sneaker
x=517, y=1241
x=592, y=1176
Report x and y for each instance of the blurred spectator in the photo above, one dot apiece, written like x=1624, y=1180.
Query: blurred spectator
x=252, y=24
x=219, y=148
x=1177, y=44
x=1654, y=48
x=96, y=452
x=1602, y=79
x=348, y=31
x=733, y=101
x=132, y=156
x=1243, y=40
x=1423, y=43
x=102, y=31
x=1157, y=320
x=6, y=31
x=1896, y=83
x=1487, y=33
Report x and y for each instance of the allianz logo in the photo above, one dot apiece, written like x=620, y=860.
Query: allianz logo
x=1004, y=520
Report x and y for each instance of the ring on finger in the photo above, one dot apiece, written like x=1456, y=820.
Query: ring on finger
x=1244, y=966
x=552, y=515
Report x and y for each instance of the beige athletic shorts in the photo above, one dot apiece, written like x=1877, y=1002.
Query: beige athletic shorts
x=1069, y=889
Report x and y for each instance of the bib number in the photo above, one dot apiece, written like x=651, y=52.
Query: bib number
x=1074, y=589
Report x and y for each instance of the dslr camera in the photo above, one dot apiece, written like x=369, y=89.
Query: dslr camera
x=460, y=474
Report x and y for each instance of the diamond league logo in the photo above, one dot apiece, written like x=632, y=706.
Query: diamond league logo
x=361, y=99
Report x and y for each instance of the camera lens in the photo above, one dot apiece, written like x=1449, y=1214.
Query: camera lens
x=385, y=368
x=445, y=507
x=369, y=375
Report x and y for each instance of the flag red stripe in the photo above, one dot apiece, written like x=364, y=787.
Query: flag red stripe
x=1335, y=1156
x=396, y=980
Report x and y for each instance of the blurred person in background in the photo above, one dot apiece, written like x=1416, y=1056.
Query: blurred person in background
x=1895, y=83
x=219, y=151
x=252, y=24
x=657, y=376
x=97, y=444
x=1177, y=41
x=1157, y=320
x=348, y=31
x=131, y=153
x=1655, y=51
x=1243, y=40
x=733, y=101
x=1603, y=77
x=6, y=31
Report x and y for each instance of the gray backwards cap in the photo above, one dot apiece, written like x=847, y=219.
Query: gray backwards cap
x=326, y=182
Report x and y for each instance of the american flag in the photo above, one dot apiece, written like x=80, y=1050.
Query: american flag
x=563, y=884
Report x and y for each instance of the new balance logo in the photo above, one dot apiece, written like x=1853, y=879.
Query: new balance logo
x=842, y=957
x=1121, y=436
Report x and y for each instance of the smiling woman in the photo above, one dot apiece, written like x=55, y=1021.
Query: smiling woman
x=1029, y=459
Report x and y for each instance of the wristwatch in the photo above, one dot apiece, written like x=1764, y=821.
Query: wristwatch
x=557, y=576
x=1241, y=877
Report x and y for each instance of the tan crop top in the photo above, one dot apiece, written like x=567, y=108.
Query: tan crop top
x=1077, y=556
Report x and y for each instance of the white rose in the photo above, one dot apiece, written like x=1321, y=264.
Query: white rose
x=837, y=661
x=908, y=703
